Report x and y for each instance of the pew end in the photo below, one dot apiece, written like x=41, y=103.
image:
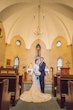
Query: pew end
x=62, y=89
x=15, y=82
x=69, y=97
x=4, y=95
x=13, y=87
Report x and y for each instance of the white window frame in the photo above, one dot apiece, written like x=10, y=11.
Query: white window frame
x=16, y=62
x=59, y=63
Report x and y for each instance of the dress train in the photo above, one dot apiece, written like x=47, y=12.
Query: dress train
x=35, y=95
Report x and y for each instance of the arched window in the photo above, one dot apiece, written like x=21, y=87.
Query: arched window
x=59, y=63
x=16, y=62
x=18, y=42
x=58, y=43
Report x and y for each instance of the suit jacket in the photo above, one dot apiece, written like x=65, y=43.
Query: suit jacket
x=42, y=68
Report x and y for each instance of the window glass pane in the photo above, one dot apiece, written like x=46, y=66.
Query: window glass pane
x=16, y=62
x=58, y=43
x=18, y=42
x=59, y=63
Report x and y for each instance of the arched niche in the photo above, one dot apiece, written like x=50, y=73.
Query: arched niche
x=39, y=47
x=38, y=50
x=60, y=39
x=19, y=38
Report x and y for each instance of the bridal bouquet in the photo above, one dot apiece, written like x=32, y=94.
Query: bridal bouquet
x=37, y=73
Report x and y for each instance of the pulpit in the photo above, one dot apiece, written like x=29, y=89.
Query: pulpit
x=65, y=71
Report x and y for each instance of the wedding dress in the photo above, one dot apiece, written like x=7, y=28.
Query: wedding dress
x=34, y=94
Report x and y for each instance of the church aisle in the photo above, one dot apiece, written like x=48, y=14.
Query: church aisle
x=49, y=105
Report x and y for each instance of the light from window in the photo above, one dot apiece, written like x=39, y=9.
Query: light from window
x=58, y=43
x=18, y=42
x=59, y=63
x=16, y=62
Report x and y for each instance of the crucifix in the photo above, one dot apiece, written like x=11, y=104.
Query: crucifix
x=38, y=50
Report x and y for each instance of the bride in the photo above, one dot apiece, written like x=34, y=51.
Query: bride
x=34, y=94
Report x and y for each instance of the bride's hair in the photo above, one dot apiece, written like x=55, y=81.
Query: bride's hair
x=36, y=60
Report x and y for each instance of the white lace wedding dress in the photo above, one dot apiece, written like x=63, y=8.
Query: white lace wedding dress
x=34, y=94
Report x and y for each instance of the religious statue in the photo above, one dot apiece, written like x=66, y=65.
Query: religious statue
x=38, y=50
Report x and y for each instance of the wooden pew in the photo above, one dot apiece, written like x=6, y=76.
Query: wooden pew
x=54, y=85
x=12, y=71
x=62, y=88
x=13, y=86
x=69, y=97
x=21, y=83
x=4, y=95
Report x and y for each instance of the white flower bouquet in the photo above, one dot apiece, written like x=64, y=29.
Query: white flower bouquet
x=37, y=73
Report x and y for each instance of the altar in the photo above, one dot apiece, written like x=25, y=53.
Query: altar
x=48, y=75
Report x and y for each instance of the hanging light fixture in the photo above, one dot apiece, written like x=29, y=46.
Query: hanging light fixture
x=38, y=30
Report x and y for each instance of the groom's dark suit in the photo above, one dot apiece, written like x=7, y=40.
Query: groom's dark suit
x=42, y=70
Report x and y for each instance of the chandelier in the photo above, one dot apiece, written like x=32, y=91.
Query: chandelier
x=38, y=30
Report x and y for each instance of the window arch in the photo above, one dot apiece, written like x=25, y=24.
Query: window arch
x=59, y=63
x=16, y=62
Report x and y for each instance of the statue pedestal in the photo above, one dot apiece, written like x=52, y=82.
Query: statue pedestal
x=29, y=74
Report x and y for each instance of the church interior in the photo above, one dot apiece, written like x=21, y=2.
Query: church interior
x=30, y=29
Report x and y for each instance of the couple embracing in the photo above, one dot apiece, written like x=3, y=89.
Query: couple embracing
x=39, y=71
x=36, y=92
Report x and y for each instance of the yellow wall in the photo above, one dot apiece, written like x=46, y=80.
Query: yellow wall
x=12, y=51
x=64, y=51
x=2, y=45
x=51, y=56
x=27, y=56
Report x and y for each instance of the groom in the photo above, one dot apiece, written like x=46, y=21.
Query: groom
x=42, y=66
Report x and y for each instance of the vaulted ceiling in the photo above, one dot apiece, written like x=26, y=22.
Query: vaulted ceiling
x=20, y=17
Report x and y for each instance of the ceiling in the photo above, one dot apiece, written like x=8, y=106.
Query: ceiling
x=20, y=17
